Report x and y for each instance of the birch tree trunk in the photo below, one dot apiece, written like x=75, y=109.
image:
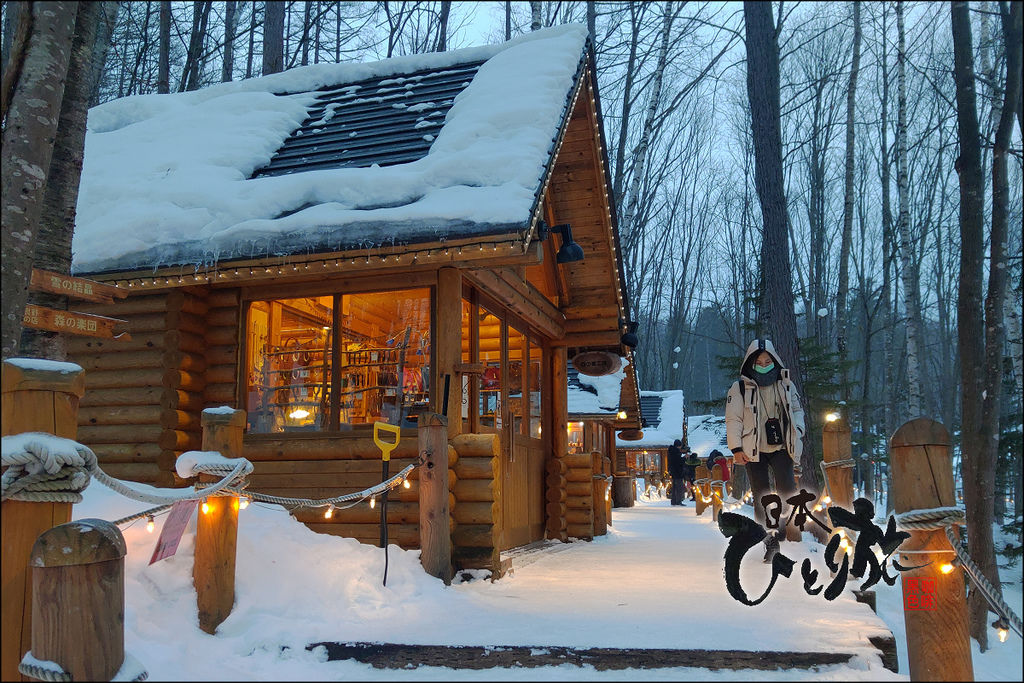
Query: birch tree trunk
x=971, y=324
x=535, y=15
x=640, y=154
x=57, y=220
x=30, y=128
x=842, y=315
x=908, y=268
x=776, y=309
x=273, y=37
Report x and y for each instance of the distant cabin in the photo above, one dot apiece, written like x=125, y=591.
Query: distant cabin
x=337, y=245
x=647, y=457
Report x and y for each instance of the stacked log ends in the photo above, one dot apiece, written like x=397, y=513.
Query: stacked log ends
x=556, y=496
x=476, y=512
x=579, y=502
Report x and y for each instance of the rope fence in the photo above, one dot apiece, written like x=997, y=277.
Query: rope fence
x=945, y=518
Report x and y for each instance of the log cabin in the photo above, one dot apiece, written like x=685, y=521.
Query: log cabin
x=645, y=458
x=342, y=244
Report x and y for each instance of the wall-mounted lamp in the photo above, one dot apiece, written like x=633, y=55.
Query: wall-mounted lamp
x=569, y=252
x=629, y=338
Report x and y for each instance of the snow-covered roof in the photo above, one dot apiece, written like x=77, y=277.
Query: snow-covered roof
x=662, y=428
x=589, y=396
x=167, y=178
x=706, y=433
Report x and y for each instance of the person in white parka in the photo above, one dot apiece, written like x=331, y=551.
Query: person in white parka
x=764, y=423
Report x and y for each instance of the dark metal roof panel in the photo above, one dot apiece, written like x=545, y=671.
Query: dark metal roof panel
x=650, y=409
x=379, y=121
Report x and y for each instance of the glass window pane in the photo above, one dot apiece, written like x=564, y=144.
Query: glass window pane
x=288, y=378
x=517, y=402
x=490, y=379
x=468, y=330
x=384, y=370
x=534, y=382
x=385, y=357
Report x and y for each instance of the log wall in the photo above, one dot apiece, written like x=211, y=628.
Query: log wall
x=122, y=410
x=476, y=535
x=579, y=498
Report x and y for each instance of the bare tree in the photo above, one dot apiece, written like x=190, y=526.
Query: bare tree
x=273, y=36
x=163, y=81
x=908, y=268
x=229, y=41
x=842, y=315
x=57, y=219
x=535, y=15
x=776, y=315
x=30, y=127
x=977, y=494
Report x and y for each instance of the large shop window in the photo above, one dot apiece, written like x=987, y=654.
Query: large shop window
x=326, y=363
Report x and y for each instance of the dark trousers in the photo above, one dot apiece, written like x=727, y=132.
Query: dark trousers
x=781, y=466
x=677, y=490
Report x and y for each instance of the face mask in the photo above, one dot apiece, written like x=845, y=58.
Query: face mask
x=766, y=369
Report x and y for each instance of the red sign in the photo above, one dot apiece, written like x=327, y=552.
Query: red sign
x=174, y=528
x=919, y=594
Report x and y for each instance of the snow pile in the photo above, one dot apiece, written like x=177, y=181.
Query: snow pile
x=706, y=433
x=166, y=177
x=654, y=581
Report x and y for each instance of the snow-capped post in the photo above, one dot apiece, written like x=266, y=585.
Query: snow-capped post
x=38, y=396
x=78, y=600
x=213, y=570
x=435, y=529
x=934, y=606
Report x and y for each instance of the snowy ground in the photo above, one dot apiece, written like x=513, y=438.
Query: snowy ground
x=654, y=581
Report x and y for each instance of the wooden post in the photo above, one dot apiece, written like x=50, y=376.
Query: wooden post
x=78, y=598
x=556, y=483
x=835, y=442
x=38, y=396
x=703, y=490
x=607, y=471
x=213, y=570
x=716, y=488
x=449, y=345
x=435, y=534
x=600, y=486
x=938, y=641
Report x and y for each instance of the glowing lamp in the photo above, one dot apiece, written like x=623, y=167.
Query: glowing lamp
x=946, y=568
x=150, y=525
x=831, y=417
x=298, y=414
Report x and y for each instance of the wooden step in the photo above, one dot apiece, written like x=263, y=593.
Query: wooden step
x=395, y=656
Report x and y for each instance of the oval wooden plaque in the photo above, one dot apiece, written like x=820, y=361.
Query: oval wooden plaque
x=631, y=434
x=596, y=363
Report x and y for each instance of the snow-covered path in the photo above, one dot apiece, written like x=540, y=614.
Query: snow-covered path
x=655, y=581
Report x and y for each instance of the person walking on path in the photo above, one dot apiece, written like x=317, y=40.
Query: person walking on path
x=690, y=464
x=675, y=470
x=764, y=422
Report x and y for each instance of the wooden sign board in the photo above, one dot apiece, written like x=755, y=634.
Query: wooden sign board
x=631, y=435
x=41, y=318
x=596, y=363
x=74, y=287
